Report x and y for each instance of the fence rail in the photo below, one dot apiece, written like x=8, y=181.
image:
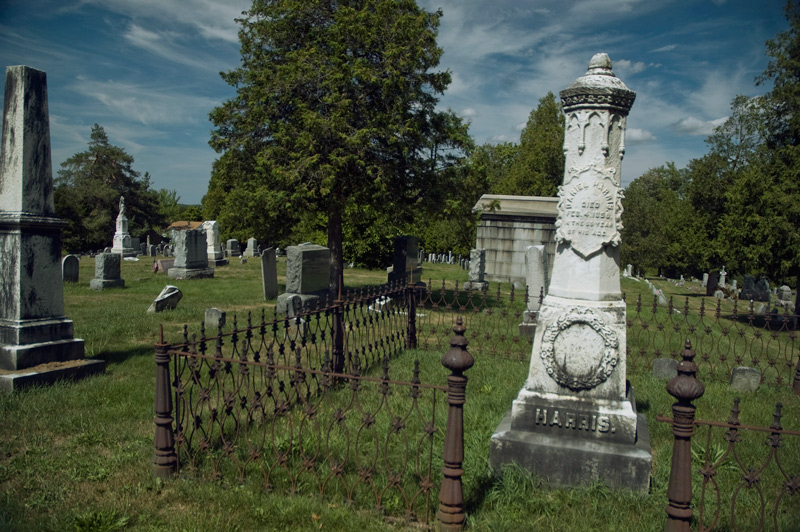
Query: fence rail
x=360, y=438
x=722, y=339
x=766, y=484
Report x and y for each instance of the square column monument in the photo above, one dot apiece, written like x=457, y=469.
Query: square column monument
x=575, y=420
x=33, y=328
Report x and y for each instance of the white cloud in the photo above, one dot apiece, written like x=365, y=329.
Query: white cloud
x=635, y=135
x=667, y=48
x=143, y=104
x=626, y=66
x=211, y=19
x=694, y=126
x=165, y=45
x=469, y=112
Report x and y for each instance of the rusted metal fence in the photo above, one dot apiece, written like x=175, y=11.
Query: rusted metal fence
x=759, y=463
x=266, y=403
x=722, y=339
x=492, y=318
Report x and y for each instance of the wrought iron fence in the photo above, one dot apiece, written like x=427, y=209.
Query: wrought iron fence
x=492, y=318
x=749, y=475
x=722, y=339
x=240, y=413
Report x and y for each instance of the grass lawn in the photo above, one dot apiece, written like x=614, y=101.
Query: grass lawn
x=77, y=456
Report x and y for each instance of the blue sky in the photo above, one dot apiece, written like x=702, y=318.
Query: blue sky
x=147, y=70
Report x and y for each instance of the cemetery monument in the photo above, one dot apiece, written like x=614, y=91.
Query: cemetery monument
x=33, y=327
x=191, y=260
x=307, y=276
x=122, y=238
x=216, y=255
x=575, y=420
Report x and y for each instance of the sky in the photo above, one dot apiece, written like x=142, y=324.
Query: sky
x=148, y=70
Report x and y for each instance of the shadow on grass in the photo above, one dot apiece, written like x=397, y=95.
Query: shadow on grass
x=120, y=356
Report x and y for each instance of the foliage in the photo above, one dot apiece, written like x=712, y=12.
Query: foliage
x=88, y=190
x=739, y=205
x=335, y=114
x=538, y=167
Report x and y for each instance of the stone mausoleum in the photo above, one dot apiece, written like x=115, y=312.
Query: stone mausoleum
x=508, y=226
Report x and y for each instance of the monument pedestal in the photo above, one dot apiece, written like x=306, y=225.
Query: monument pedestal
x=36, y=339
x=566, y=461
x=190, y=273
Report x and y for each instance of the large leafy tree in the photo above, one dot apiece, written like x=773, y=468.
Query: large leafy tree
x=334, y=115
x=87, y=192
x=538, y=167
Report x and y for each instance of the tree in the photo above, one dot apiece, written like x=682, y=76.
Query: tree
x=538, y=167
x=87, y=192
x=334, y=114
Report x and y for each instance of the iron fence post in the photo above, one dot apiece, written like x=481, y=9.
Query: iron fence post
x=411, y=329
x=457, y=359
x=685, y=388
x=165, y=461
x=337, y=356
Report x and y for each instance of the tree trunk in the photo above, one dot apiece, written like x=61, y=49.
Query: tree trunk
x=336, y=280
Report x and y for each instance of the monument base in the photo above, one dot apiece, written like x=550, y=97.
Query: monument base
x=190, y=273
x=565, y=461
x=49, y=373
x=102, y=284
x=125, y=252
x=18, y=357
x=217, y=262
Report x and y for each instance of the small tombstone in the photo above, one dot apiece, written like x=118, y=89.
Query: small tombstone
x=152, y=250
x=166, y=300
x=214, y=320
x=107, y=272
x=722, y=275
x=712, y=284
x=382, y=304
x=733, y=284
x=785, y=293
x=719, y=294
x=143, y=249
x=705, y=279
x=70, y=266
x=744, y=379
x=269, y=273
x=665, y=368
x=232, y=247
x=252, y=248
x=294, y=306
x=164, y=265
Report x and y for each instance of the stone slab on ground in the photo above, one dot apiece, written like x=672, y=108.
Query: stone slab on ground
x=665, y=368
x=745, y=380
x=11, y=381
x=190, y=273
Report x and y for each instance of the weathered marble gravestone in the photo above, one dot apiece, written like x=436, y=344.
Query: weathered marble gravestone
x=107, y=271
x=722, y=275
x=705, y=279
x=755, y=290
x=214, y=320
x=307, y=275
x=536, y=263
x=216, y=256
x=232, y=247
x=477, y=270
x=33, y=327
x=252, y=248
x=70, y=268
x=191, y=260
x=404, y=263
x=123, y=244
x=269, y=273
x=167, y=299
x=575, y=420
x=745, y=380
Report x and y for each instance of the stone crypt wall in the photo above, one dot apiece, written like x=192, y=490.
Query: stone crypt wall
x=505, y=233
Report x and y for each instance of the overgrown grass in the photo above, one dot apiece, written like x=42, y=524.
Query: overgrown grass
x=77, y=456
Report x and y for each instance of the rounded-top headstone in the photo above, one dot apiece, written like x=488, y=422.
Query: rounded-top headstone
x=70, y=266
